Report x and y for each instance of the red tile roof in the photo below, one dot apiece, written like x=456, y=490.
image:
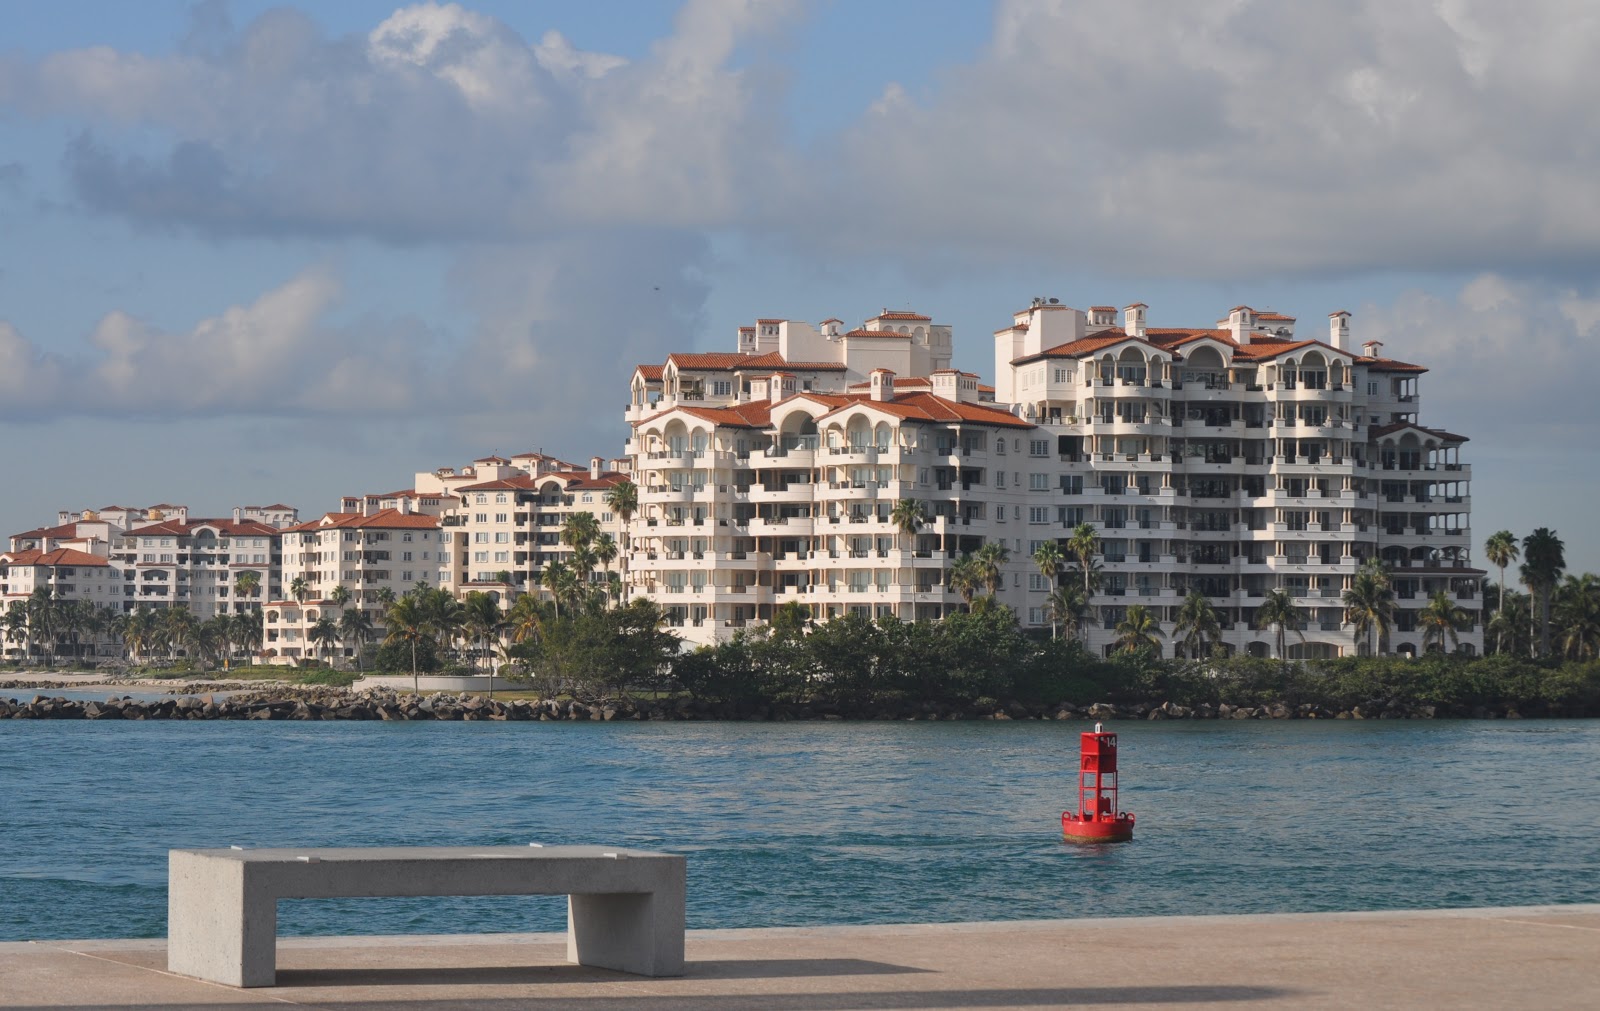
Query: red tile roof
x=1085, y=346
x=65, y=530
x=724, y=361
x=903, y=315
x=180, y=528
x=579, y=480
x=1278, y=316
x=383, y=518
x=1380, y=431
x=756, y=414
x=1388, y=365
x=1102, y=308
x=922, y=407
x=878, y=333
x=772, y=321
x=516, y=482
x=649, y=372
x=60, y=556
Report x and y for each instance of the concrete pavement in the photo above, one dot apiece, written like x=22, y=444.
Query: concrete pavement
x=1546, y=957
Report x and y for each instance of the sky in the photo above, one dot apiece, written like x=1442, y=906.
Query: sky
x=253, y=253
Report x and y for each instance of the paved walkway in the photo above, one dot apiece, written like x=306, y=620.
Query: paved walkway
x=1542, y=957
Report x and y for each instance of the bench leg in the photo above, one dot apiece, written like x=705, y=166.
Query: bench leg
x=220, y=926
x=637, y=933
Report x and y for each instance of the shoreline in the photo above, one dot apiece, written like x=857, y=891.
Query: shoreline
x=277, y=701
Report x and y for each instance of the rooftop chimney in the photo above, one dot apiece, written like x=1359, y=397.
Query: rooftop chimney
x=1339, y=329
x=594, y=468
x=1241, y=320
x=882, y=384
x=1371, y=348
x=238, y=514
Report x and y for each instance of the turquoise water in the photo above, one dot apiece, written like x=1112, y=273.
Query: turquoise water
x=808, y=823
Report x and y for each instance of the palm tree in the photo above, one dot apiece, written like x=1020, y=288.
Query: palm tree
x=386, y=596
x=623, y=499
x=1544, y=559
x=406, y=622
x=1369, y=604
x=1577, y=611
x=323, y=634
x=483, y=621
x=526, y=618
x=247, y=583
x=1138, y=630
x=43, y=612
x=563, y=584
x=1068, y=605
x=965, y=577
x=299, y=589
x=1512, y=623
x=990, y=558
x=355, y=625
x=580, y=528
x=1440, y=619
x=908, y=516
x=605, y=551
x=1048, y=557
x=248, y=631
x=179, y=624
x=790, y=618
x=1083, y=545
x=1501, y=550
x=1278, y=611
x=1199, y=627
x=339, y=595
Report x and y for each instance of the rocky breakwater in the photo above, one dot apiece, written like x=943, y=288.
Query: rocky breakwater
x=323, y=703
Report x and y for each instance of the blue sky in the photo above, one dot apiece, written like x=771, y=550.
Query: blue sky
x=257, y=252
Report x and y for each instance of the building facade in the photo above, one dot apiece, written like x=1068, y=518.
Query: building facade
x=1232, y=460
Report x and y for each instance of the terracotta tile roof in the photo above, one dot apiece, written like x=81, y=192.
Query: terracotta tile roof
x=755, y=414
x=1171, y=337
x=727, y=361
x=1276, y=317
x=1086, y=346
x=878, y=333
x=491, y=459
x=516, y=482
x=900, y=383
x=1380, y=431
x=384, y=518
x=833, y=319
x=1102, y=308
x=180, y=528
x=276, y=507
x=923, y=407
x=903, y=315
x=1387, y=365
x=1136, y=305
x=772, y=321
x=649, y=372
x=579, y=480
x=60, y=556
x=65, y=530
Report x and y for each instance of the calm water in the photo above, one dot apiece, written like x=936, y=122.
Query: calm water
x=806, y=823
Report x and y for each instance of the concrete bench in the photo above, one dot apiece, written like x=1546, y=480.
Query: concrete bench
x=625, y=908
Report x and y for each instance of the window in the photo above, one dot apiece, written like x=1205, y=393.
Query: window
x=1038, y=514
x=1372, y=390
x=405, y=576
x=999, y=479
x=1038, y=581
x=502, y=556
x=481, y=537
x=499, y=517
x=1038, y=447
x=500, y=499
x=502, y=538
x=482, y=499
x=405, y=536
x=405, y=556
x=480, y=517
x=480, y=556
x=1000, y=446
x=1038, y=482
x=721, y=388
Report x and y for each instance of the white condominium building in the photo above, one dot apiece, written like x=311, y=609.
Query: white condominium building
x=1233, y=460
x=504, y=531
x=373, y=557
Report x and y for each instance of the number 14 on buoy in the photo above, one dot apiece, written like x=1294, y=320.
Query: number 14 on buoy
x=1098, y=819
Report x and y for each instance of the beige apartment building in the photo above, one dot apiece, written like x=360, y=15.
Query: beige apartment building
x=1234, y=460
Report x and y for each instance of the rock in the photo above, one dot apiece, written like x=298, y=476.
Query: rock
x=1103, y=711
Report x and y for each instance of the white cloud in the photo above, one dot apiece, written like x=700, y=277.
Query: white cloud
x=277, y=356
x=1506, y=358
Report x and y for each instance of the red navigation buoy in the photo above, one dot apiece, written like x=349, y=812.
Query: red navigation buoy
x=1097, y=820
